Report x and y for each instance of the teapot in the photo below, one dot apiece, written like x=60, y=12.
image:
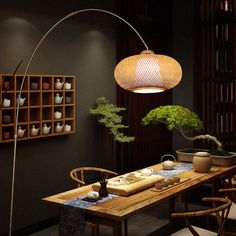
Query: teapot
x=67, y=128
x=21, y=101
x=57, y=115
x=46, y=129
x=67, y=85
x=58, y=84
x=34, y=131
x=6, y=102
x=20, y=132
x=58, y=99
x=168, y=164
x=58, y=127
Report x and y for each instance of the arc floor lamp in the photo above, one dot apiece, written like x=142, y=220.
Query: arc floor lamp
x=143, y=73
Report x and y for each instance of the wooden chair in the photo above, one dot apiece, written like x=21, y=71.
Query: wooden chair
x=231, y=194
x=220, y=207
x=79, y=176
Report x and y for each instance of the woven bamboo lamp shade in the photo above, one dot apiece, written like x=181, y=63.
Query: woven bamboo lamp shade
x=148, y=73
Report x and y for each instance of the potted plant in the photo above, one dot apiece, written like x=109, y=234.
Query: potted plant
x=107, y=116
x=187, y=122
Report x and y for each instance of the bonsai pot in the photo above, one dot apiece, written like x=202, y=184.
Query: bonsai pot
x=187, y=155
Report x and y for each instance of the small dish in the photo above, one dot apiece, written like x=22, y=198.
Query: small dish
x=91, y=199
x=147, y=171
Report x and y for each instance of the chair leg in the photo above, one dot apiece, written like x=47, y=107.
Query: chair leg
x=126, y=227
x=96, y=229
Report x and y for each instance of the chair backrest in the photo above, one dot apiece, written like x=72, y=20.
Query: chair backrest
x=220, y=207
x=230, y=193
x=78, y=174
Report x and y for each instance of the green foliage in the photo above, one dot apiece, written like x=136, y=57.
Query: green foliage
x=174, y=116
x=107, y=116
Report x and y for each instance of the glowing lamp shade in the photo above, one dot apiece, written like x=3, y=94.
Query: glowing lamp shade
x=148, y=73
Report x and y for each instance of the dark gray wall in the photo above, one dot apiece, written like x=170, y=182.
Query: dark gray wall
x=183, y=45
x=84, y=47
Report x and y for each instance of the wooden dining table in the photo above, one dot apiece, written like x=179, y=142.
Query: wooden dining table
x=122, y=207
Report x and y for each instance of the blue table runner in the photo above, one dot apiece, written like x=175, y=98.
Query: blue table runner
x=72, y=217
x=178, y=169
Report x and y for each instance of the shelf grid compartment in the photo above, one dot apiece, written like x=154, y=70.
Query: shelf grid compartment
x=37, y=106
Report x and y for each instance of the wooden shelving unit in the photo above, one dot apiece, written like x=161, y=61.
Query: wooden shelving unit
x=215, y=70
x=39, y=106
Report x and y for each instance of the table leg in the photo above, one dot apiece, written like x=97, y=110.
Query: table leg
x=117, y=228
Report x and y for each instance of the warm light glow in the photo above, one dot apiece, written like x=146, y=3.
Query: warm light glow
x=148, y=73
x=147, y=90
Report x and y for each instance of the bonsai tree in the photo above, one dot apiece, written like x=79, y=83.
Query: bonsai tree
x=107, y=116
x=182, y=119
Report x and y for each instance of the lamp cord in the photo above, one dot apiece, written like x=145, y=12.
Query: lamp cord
x=21, y=87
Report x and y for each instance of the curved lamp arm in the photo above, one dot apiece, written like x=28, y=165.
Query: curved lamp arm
x=25, y=73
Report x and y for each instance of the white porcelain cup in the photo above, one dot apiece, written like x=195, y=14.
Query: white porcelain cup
x=6, y=102
x=92, y=194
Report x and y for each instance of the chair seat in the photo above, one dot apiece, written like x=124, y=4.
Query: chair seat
x=232, y=212
x=201, y=231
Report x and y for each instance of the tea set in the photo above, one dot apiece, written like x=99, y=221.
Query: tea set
x=58, y=127
x=20, y=132
x=168, y=164
x=58, y=99
x=58, y=84
x=57, y=115
x=46, y=129
x=34, y=131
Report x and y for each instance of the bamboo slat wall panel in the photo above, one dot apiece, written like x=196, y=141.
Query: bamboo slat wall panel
x=215, y=75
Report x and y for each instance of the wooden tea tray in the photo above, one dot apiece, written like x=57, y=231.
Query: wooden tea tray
x=171, y=185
